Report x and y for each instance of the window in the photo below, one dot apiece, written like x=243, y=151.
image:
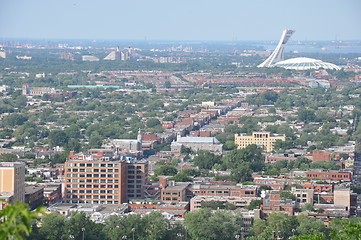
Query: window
x=89, y=165
x=82, y=170
x=82, y=164
x=103, y=165
x=96, y=170
x=103, y=175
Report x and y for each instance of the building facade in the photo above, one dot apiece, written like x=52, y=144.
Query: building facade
x=95, y=181
x=12, y=180
x=261, y=139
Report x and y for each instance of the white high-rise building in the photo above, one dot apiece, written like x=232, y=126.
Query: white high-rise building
x=278, y=53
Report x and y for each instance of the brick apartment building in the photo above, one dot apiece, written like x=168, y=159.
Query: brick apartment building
x=104, y=180
x=329, y=175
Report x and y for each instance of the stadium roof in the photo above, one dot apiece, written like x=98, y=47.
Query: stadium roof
x=303, y=63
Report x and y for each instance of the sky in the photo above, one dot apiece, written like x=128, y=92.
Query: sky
x=241, y=20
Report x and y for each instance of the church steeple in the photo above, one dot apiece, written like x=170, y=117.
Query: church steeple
x=139, y=137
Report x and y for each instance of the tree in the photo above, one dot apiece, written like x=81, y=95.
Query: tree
x=238, y=157
x=8, y=157
x=153, y=122
x=166, y=170
x=215, y=205
x=73, y=145
x=58, y=138
x=311, y=226
x=306, y=115
x=277, y=226
x=52, y=227
x=205, y=159
x=242, y=173
x=346, y=229
x=151, y=226
x=167, y=84
x=95, y=140
x=79, y=225
x=254, y=204
x=15, y=220
x=181, y=177
x=14, y=120
x=220, y=225
x=287, y=195
x=58, y=158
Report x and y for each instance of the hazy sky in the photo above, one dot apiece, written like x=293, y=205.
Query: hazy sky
x=180, y=20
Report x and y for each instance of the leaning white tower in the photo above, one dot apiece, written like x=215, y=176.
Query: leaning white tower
x=278, y=54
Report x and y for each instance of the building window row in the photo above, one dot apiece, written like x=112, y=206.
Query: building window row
x=92, y=196
x=75, y=175
x=91, y=186
x=93, y=202
x=108, y=165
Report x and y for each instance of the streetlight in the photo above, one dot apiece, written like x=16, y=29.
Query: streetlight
x=71, y=236
x=133, y=230
x=83, y=230
x=124, y=237
x=237, y=236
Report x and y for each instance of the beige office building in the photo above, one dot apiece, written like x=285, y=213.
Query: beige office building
x=12, y=180
x=261, y=139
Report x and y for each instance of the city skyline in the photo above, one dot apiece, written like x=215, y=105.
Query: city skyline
x=161, y=20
